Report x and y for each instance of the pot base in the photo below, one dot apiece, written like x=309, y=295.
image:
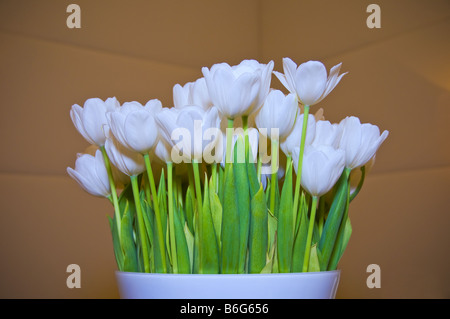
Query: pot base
x=313, y=285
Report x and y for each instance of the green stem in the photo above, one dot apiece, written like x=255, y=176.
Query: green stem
x=214, y=176
x=198, y=191
x=310, y=233
x=321, y=216
x=274, y=178
x=141, y=226
x=113, y=190
x=300, y=159
x=156, y=208
x=198, y=188
x=258, y=168
x=228, y=155
x=173, y=247
x=246, y=139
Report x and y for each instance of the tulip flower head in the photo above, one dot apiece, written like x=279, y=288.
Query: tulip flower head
x=309, y=81
x=278, y=112
x=193, y=129
x=326, y=134
x=128, y=162
x=238, y=90
x=359, y=141
x=192, y=93
x=90, y=119
x=134, y=125
x=90, y=173
x=322, y=167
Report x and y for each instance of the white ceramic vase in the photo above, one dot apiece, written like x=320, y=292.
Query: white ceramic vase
x=312, y=285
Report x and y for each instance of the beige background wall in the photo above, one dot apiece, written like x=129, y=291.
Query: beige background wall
x=399, y=79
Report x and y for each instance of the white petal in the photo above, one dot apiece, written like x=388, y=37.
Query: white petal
x=243, y=94
x=76, y=113
x=141, y=131
x=93, y=118
x=290, y=68
x=153, y=105
x=310, y=81
x=181, y=95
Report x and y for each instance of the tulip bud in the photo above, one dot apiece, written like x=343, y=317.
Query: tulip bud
x=128, y=162
x=134, y=125
x=359, y=141
x=238, y=90
x=91, y=119
x=322, y=167
x=192, y=93
x=90, y=173
x=309, y=80
x=278, y=111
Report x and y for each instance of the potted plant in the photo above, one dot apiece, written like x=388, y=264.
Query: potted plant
x=236, y=191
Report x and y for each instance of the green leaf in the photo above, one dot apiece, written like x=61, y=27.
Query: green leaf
x=130, y=262
x=196, y=261
x=341, y=243
x=162, y=193
x=333, y=222
x=285, y=240
x=243, y=196
x=258, y=232
x=347, y=235
x=126, y=198
x=314, y=264
x=230, y=225
x=252, y=176
x=272, y=228
x=190, y=203
x=209, y=253
x=168, y=246
x=182, y=252
x=190, y=244
x=216, y=212
x=298, y=254
x=271, y=260
x=147, y=214
x=116, y=243
x=221, y=182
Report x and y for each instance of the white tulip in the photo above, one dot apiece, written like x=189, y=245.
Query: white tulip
x=90, y=173
x=294, y=138
x=190, y=127
x=322, y=167
x=359, y=141
x=162, y=151
x=309, y=81
x=326, y=134
x=134, y=126
x=91, y=118
x=278, y=111
x=120, y=179
x=128, y=162
x=238, y=90
x=192, y=93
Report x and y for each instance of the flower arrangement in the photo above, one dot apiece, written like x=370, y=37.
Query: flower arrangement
x=202, y=187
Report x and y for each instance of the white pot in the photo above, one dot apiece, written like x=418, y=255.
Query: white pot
x=312, y=285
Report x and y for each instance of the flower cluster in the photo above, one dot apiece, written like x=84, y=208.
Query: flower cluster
x=195, y=188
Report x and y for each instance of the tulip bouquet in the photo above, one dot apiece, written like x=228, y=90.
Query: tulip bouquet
x=236, y=177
